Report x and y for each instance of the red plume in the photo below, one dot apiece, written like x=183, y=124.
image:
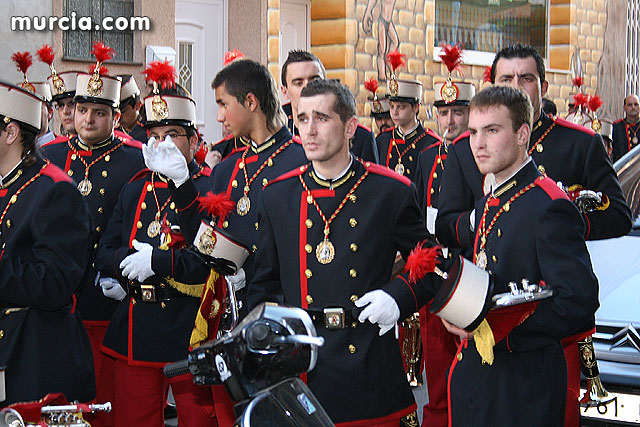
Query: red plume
x=486, y=74
x=217, y=205
x=46, y=55
x=396, y=59
x=594, y=103
x=580, y=100
x=23, y=60
x=102, y=52
x=421, y=261
x=451, y=56
x=104, y=71
x=161, y=72
x=231, y=55
x=578, y=81
x=201, y=154
x=371, y=85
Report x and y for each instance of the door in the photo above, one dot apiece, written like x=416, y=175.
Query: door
x=201, y=41
x=295, y=23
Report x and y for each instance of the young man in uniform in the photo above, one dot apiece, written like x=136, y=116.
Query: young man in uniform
x=130, y=105
x=438, y=345
x=399, y=147
x=566, y=152
x=100, y=164
x=45, y=231
x=300, y=68
x=164, y=281
x=528, y=370
x=351, y=217
x=625, y=131
x=249, y=107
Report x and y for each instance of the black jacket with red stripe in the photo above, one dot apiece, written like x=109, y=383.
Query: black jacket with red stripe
x=45, y=252
x=359, y=375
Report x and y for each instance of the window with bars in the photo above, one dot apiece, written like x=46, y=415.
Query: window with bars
x=77, y=44
x=633, y=47
x=185, y=64
x=490, y=25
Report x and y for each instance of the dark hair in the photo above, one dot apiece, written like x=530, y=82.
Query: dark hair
x=345, y=104
x=29, y=135
x=299, y=56
x=244, y=76
x=516, y=101
x=519, y=51
x=549, y=107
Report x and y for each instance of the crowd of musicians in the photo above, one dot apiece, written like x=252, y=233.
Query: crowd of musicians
x=104, y=223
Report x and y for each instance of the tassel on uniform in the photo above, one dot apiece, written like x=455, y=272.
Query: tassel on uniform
x=483, y=338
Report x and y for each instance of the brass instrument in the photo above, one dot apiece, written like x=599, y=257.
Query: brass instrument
x=412, y=349
x=54, y=415
x=596, y=394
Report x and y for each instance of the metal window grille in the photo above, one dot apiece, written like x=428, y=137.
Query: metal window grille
x=632, y=64
x=185, y=64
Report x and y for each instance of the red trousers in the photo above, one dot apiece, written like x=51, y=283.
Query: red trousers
x=572, y=407
x=438, y=349
x=224, y=406
x=141, y=394
x=104, y=372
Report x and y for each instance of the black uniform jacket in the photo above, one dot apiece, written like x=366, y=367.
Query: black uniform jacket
x=107, y=176
x=429, y=173
x=230, y=145
x=278, y=155
x=392, y=145
x=566, y=152
x=539, y=238
x=359, y=375
x=45, y=251
x=151, y=333
x=623, y=138
x=363, y=144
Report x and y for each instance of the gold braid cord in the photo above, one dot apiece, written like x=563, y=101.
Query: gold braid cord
x=191, y=290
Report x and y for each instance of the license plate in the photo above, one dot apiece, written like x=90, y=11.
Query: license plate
x=624, y=407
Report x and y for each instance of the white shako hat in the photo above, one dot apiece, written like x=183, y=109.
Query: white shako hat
x=96, y=87
x=459, y=93
x=61, y=85
x=129, y=88
x=169, y=103
x=214, y=242
x=20, y=105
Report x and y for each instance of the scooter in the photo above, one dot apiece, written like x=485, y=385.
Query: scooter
x=259, y=363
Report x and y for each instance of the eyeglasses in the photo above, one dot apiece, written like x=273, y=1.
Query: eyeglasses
x=171, y=135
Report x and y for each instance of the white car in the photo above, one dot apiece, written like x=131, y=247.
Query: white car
x=616, y=263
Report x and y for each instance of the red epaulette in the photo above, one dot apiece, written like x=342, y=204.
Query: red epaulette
x=435, y=144
x=571, y=125
x=294, y=172
x=433, y=134
x=550, y=187
x=225, y=139
x=55, y=173
x=206, y=171
x=463, y=135
x=364, y=127
x=385, y=171
x=58, y=140
x=140, y=175
x=297, y=139
x=385, y=131
x=618, y=121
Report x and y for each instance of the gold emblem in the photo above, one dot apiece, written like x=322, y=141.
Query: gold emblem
x=28, y=87
x=634, y=140
x=399, y=169
x=207, y=241
x=325, y=252
x=481, y=259
x=58, y=84
x=159, y=108
x=596, y=125
x=154, y=228
x=377, y=106
x=393, y=86
x=449, y=91
x=85, y=187
x=243, y=206
x=95, y=85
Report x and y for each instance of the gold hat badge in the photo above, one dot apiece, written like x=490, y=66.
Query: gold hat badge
x=162, y=74
x=372, y=86
x=451, y=56
x=396, y=60
x=103, y=53
x=46, y=55
x=23, y=60
x=594, y=103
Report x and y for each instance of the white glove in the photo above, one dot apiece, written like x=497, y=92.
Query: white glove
x=472, y=221
x=166, y=159
x=381, y=309
x=111, y=288
x=238, y=280
x=137, y=266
